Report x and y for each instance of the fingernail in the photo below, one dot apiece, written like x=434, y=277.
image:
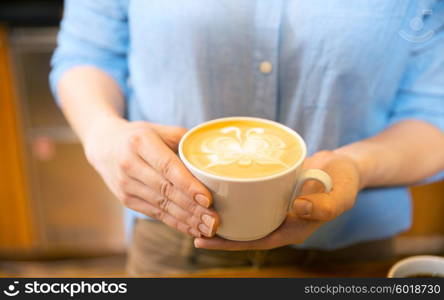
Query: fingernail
x=209, y=221
x=202, y=200
x=196, y=243
x=204, y=229
x=303, y=207
x=195, y=232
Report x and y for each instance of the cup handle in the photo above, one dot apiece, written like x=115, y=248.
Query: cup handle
x=311, y=174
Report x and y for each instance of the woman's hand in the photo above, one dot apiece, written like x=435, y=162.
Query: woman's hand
x=137, y=161
x=310, y=210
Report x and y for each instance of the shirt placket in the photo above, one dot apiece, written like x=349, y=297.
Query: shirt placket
x=268, y=15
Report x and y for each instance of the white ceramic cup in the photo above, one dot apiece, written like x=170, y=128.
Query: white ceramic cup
x=251, y=208
x=417, y=265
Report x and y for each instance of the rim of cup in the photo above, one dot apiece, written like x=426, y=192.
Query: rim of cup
x=233, y=179
x=416, y=259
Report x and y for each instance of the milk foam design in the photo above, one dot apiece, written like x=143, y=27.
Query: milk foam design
x=255, y=146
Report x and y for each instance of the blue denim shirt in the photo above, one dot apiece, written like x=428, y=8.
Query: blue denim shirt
x=335, y=71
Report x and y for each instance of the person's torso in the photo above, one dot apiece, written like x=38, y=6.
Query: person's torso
x=330, y=69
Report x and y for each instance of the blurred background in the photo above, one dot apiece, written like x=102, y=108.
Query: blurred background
x=57, y=218
x=52, y=203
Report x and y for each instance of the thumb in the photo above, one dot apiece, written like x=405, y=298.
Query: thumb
x=170, y=135
x=319, y=207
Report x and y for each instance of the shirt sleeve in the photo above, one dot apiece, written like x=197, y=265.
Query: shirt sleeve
x=93, y=33
x=421, y=94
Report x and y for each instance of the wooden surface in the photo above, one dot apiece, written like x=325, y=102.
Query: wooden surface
x=374, y=269
x=15, y=217
x=114, y=266
x=87, y=267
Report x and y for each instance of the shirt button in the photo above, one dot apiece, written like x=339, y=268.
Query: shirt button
x=266, y=67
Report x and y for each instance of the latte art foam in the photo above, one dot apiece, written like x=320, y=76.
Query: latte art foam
x=242, y=148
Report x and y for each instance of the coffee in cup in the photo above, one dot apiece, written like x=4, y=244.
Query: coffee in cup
x=242, y=149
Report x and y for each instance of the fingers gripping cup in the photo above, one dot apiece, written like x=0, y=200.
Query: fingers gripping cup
x=253, y=168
